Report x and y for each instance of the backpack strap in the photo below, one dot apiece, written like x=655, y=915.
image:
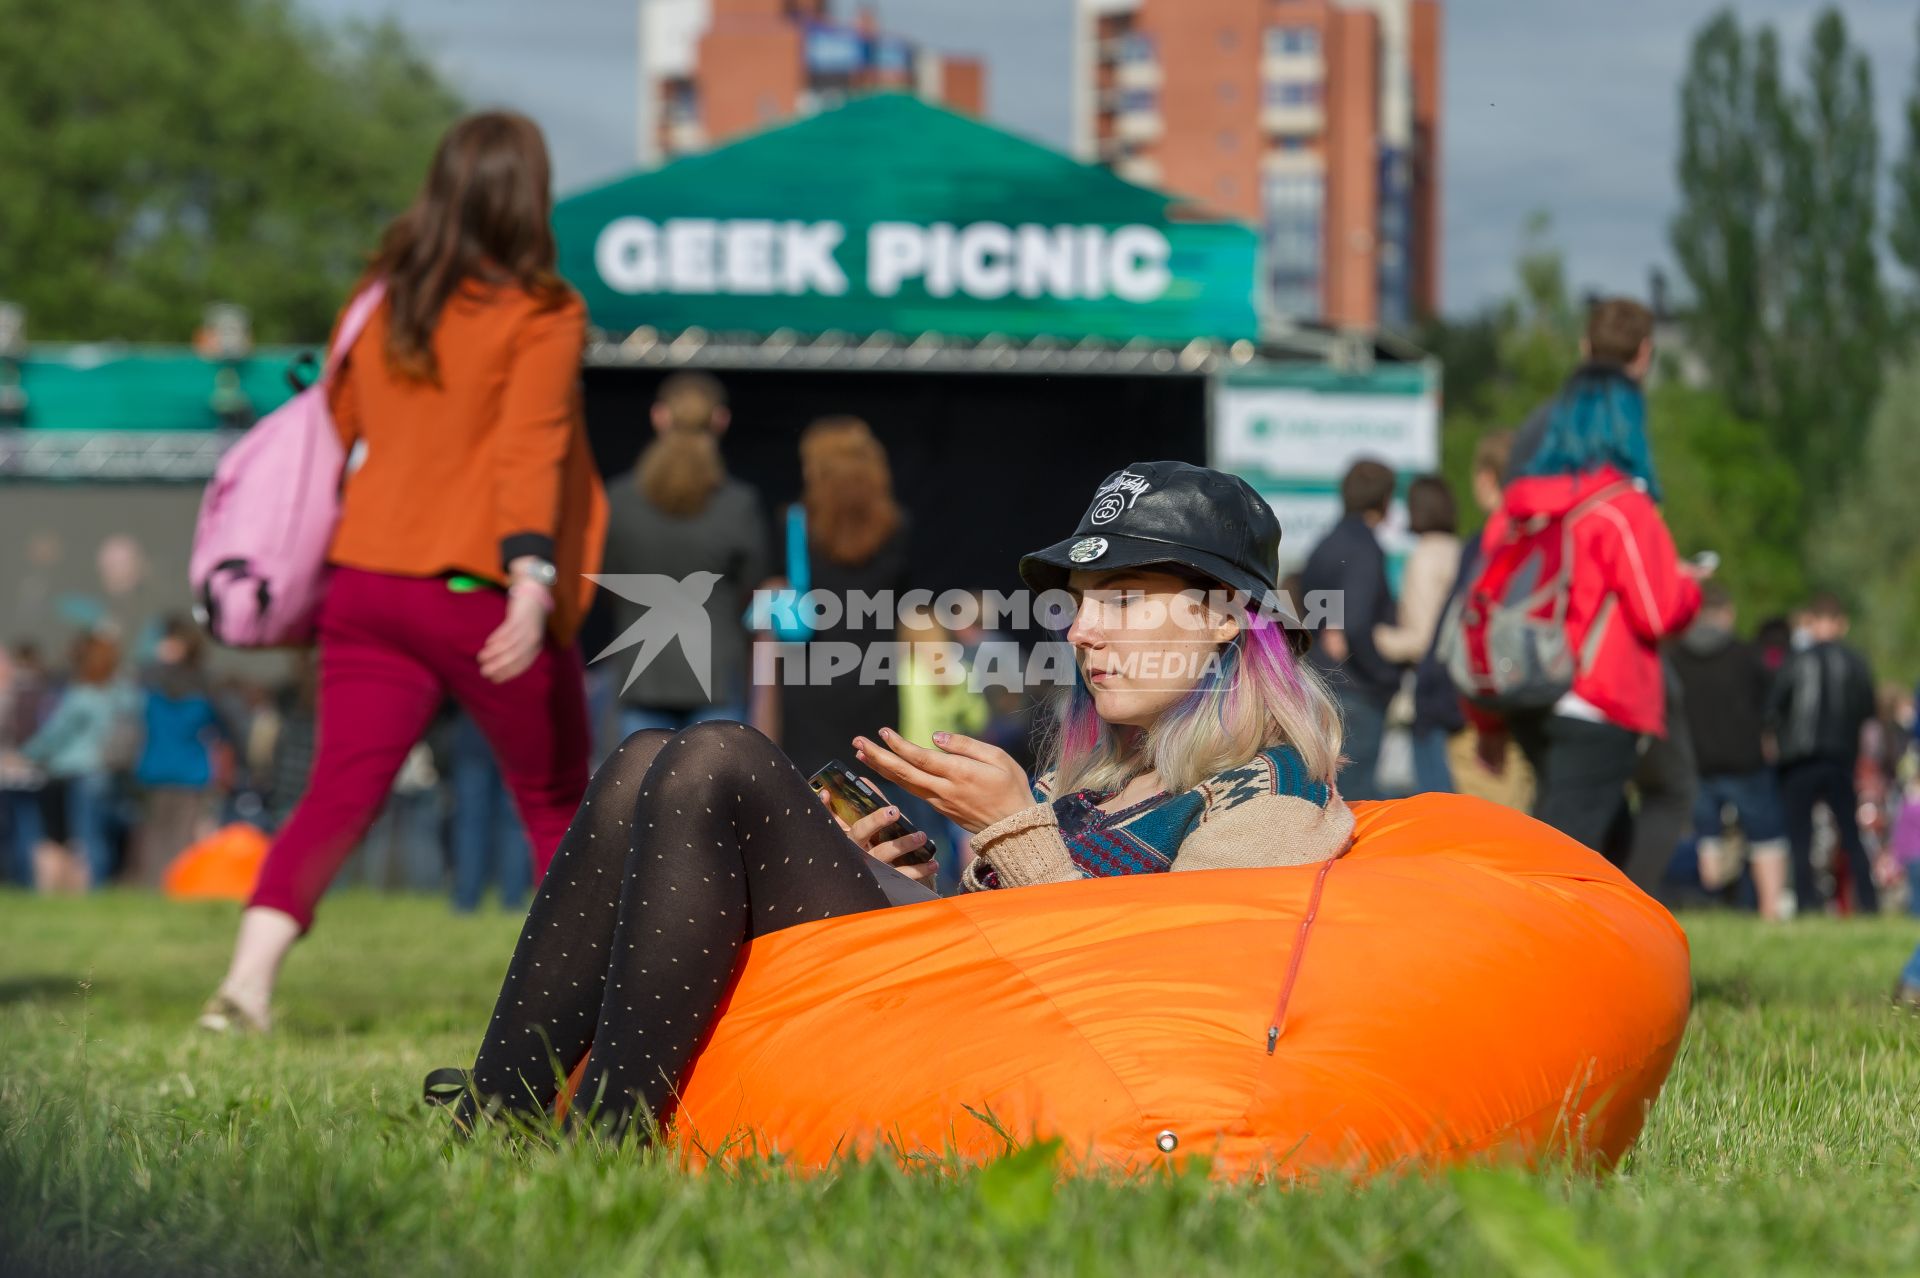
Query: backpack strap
x=1564, y=580
x=1594, y=499
x=352, y=324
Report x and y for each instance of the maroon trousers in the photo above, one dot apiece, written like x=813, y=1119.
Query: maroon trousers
x=391, y=648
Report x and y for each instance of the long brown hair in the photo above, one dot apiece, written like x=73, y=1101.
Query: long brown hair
x=483, y=213
x=681, y=468
x=847, y=489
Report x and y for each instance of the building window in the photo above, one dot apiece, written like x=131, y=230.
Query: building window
x=1291, y=142
x=1294, y=93
x=682, y=106
x=1294, y=225
x=1135, y=47
x=834, y=51
x=1228, y=188
x=892, y=56
x=1132, y=100
x=1395, y=239
x=1292, y=41
x=1228, y=39
x=1229, y=91
x=1229, y=140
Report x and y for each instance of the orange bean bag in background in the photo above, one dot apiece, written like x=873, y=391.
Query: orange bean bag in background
x=1471, y=983
x=221, y=867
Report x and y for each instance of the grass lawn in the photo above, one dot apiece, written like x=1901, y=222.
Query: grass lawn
x=1788, y=1139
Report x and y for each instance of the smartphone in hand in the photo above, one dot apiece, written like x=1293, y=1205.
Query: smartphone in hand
x=850, y=797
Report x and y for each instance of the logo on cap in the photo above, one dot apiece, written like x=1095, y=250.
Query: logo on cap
x=1087, y=549
x=1116, y=496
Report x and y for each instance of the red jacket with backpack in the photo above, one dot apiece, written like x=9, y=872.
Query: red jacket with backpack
x=1627, y=590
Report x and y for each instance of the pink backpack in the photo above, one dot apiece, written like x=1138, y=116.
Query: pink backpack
x=260, y=544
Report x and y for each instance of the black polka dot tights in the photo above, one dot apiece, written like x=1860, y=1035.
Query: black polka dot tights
x=686, y=845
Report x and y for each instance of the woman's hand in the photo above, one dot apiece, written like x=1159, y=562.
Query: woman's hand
x=513, y=645
x=969, y=782
x=870, y=831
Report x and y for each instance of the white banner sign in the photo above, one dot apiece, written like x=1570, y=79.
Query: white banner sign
x=1306, y=434
x=1304, y=520
x=1306, y=517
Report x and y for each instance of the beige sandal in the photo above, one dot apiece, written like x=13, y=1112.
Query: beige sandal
x=221, y=1015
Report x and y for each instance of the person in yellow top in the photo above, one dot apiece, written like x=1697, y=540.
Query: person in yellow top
x=934, y=695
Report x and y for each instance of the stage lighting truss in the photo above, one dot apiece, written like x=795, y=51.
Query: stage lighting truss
x=785, y=349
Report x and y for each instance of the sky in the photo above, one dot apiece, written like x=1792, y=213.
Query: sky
x=1549, y=105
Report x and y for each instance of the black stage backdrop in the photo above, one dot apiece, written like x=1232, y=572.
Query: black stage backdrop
x=987, y=465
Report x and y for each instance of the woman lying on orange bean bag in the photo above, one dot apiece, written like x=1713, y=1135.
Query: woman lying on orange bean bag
x=1478, y=983
x=1190, y=739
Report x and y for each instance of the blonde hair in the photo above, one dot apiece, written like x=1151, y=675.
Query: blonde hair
x=847, y=489
x=1256, y=697
x=681, y=470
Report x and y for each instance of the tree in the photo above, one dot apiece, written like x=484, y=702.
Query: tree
x=1730, y=121
x=1903, y=232
x=161, y=154
x=1777, y=237
x=1725, y=489
x=1867, y=547
x=1521, y=350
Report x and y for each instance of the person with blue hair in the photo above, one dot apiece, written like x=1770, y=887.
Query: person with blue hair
x=1584, y=464
x=1598, y=419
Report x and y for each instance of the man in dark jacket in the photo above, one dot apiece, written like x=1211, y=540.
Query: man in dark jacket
x=1724, y=686
x=1823, y=697
x=1349, y=565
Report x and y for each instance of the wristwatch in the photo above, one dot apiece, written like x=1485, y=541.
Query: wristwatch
x=540, y=571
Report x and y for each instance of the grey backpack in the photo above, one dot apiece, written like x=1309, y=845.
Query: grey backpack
x=1504, y=639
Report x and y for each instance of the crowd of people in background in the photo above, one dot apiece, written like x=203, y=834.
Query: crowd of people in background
x=112, y=764
x=1767, y=771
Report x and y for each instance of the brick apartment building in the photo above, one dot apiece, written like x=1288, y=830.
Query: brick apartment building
x=1317, y=121
x=714, y=69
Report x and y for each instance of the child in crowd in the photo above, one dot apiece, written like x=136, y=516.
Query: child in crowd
x=75, y=749
x=175, y=769
x=1906, y=831
x=935, y=697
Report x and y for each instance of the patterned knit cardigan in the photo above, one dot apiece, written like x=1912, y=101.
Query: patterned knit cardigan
x=1264, y=813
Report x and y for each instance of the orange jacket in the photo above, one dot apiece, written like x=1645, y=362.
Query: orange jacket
x=488, y=464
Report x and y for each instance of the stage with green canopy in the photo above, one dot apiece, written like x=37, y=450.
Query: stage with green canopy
x=889, y=216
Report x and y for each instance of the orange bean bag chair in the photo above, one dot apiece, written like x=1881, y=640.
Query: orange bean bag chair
x=1464, y=982
x=221, y=867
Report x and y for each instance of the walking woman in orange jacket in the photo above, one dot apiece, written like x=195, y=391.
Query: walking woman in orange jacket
x=470, y=512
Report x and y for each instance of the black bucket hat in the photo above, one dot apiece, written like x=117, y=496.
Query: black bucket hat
x=1170, y=512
